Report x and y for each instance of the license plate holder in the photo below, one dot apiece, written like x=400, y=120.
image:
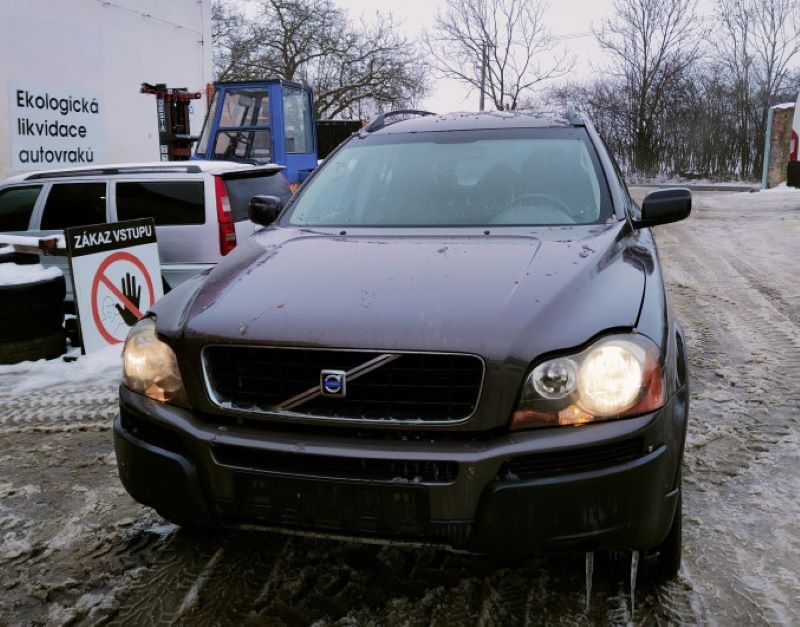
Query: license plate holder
x=351, y=507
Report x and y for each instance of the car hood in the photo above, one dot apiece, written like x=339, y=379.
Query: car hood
x=513, y=294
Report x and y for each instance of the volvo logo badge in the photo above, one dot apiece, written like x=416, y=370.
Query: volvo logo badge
x=333, y=383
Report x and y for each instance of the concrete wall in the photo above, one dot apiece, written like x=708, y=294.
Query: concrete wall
x=61, y=56
x=779, y=138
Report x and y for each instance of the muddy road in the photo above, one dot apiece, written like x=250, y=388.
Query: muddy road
x=74, y=548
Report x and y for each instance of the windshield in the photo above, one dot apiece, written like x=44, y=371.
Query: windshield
x=461, y=178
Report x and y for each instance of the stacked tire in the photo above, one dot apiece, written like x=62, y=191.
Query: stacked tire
x=32, y=319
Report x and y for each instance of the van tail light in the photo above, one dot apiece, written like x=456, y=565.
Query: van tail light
x=227, y=228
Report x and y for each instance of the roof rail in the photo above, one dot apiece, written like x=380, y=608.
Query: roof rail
x=188, y=169
x=573, y=117
x=380, y=121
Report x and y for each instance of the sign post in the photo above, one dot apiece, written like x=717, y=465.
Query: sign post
x=116, y=277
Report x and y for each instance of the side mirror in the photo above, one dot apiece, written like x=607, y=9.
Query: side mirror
x=664, y=205
x=264, y=210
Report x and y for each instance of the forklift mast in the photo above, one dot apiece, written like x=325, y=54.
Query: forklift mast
x=261, y=122
x=172, y=111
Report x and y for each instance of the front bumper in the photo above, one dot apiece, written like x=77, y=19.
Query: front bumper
x=606, y=486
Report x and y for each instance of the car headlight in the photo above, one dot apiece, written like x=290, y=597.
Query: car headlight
x=617, y=376
x=150, y=366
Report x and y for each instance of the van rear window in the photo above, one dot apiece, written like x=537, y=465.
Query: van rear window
x=167, y=202
x=240, y=190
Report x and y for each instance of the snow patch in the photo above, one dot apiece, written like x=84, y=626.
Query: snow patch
x=781, y=188
x=27, y=240
x=16, y=274
x=10, y=522
x=104, y=365
x=8, y=490
x=73, y=529
x=14, y=546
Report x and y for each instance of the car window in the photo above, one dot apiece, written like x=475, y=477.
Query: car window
x=244, y=146
x=240, y=190
x=167, y=202
x=16, y=206
x=74, y=204
x=202, y=144
x=245, y=107
x=530, y=177
x=297, y=120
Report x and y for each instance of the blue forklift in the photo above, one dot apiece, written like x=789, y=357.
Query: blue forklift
x=268, y=121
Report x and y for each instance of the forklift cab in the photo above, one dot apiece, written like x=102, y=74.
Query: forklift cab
x=261, y=122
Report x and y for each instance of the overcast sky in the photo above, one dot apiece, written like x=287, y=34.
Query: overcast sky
x=570, y=21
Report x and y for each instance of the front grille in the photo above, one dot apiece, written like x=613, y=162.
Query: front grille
x=369, y=469
x=413, y=387
x=572, y=460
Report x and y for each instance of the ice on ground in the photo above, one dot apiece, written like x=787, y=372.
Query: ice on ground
x=105, y=364
x=777, y=198
x=16, y=274
x=677, y=180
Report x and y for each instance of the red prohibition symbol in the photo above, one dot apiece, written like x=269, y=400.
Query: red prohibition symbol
x=100, y=277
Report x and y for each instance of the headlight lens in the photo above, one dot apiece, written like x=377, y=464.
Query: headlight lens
x=618, y=376
x=150, y=366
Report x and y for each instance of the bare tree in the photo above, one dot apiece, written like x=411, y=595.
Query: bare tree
x=652, y=44
x=497, y=46
x=231, y=39
x=352, y=67
x=757, y=46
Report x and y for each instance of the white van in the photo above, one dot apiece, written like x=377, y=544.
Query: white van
x=200, y=208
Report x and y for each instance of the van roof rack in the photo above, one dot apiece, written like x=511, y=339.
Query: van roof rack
x=188, y=169
x=384, y=119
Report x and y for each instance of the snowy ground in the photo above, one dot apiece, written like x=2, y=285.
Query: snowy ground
x=75, y=548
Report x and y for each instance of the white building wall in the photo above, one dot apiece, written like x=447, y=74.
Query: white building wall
x=102, y=50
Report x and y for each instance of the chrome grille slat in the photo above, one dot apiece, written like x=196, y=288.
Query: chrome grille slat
x=402, y=386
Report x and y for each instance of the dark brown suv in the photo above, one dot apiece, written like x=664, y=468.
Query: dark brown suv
x=456, y=332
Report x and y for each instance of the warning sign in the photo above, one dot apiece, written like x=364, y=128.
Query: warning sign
x=116, y=276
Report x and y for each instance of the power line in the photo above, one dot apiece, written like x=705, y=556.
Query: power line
x=108, y=3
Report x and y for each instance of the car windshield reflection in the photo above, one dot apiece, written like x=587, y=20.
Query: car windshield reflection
x=516, y=181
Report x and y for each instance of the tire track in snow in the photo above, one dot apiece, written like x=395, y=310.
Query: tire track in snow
x=744, y=416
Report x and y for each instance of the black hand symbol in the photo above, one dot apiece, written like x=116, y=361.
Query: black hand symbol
x=133, y=293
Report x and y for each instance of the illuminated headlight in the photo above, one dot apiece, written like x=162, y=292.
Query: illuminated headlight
x=618, y=376
x=150, y=367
